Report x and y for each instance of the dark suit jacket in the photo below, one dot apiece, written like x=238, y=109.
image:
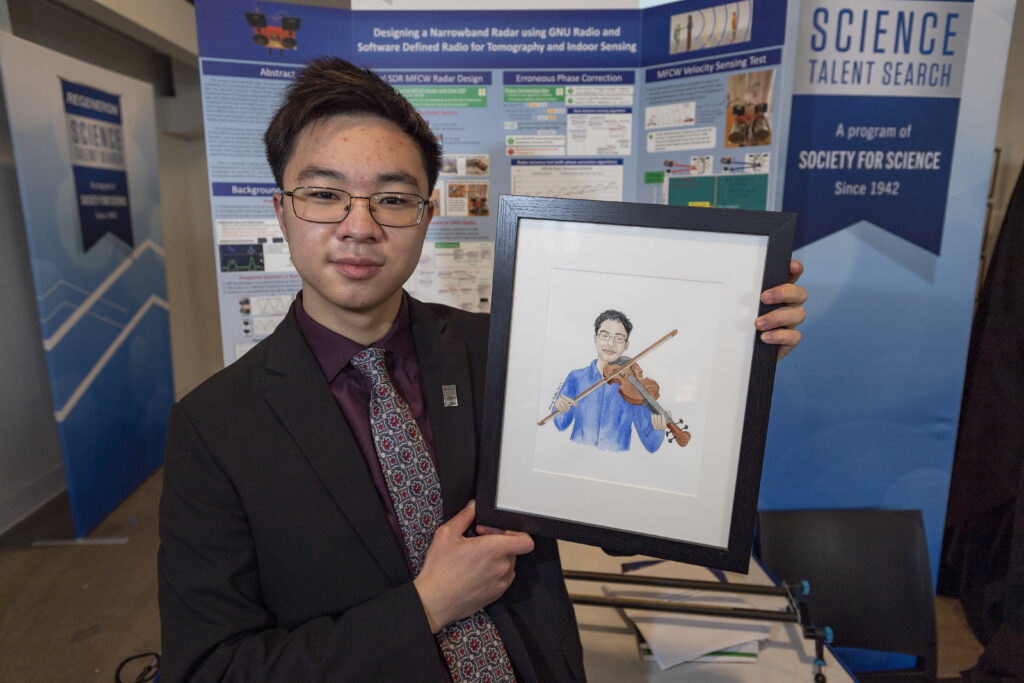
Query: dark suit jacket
x=276, y=559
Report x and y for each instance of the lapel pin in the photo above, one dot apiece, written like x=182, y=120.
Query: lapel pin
x=451, y=399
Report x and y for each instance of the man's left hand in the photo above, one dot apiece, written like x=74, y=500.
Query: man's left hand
x=779, y=326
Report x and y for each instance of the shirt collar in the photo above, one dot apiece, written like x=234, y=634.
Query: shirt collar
x=333, y=351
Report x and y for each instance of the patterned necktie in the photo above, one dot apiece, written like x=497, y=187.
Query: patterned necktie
x=472, y=647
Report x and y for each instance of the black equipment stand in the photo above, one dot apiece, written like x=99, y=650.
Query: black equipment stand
x=795, y=613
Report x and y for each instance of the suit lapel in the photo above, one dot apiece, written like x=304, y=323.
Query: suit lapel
x=443, y=361
x=306, y=407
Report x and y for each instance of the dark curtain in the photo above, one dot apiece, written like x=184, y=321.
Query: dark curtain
x=983, y=548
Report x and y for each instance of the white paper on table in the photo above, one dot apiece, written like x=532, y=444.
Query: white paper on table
x=744, y=653
x=677, y=638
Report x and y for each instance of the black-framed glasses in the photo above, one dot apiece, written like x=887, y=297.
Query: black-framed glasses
x=331, y=205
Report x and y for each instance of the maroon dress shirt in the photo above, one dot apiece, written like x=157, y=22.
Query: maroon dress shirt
x=352, y=390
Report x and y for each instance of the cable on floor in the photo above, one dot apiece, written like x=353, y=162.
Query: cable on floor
x=148, y=673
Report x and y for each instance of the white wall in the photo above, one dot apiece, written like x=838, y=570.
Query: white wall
x=188, y=234
x=166, y=25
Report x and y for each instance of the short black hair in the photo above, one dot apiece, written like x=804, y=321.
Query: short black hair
x=617, y=316
x=329, y=86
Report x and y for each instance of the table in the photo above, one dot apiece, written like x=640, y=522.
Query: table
x=609, y=644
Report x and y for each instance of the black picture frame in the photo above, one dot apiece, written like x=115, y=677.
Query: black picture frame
x=773, y=230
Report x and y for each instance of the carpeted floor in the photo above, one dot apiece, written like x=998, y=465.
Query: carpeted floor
x=74, y=612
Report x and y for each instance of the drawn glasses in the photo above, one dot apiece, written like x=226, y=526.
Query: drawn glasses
x=617, y=338
x=330, y=205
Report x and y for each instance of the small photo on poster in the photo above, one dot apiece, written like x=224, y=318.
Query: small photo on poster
x=240, y=257
x=702, y=165
x=479, y=164
x=465, y=164
x=455, y=203
x=468, y=198
x=757, y=162
x=748, y=115
x=700, y=29
x=274, y=32
x=478, y=205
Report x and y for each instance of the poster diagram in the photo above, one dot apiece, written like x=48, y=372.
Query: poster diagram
x=599, y=132
x=241, y=257
x=670, y=115
x=574, y=178
x=458, y=274
x=725, y=191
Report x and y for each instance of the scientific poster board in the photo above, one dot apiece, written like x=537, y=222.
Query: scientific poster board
x=611, y=104
x=85, y=150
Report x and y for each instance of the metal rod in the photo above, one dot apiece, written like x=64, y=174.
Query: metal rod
x=686, y=608
x=676, y=583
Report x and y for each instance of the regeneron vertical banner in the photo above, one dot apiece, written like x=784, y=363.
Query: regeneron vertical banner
x=79, y=133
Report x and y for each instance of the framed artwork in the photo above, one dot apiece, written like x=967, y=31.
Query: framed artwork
x=627, y=389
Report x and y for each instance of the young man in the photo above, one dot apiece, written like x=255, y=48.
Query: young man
x=603, y=418
x=317, y=493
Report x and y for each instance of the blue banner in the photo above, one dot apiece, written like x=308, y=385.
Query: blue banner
x=103, y=310
x=889, y=156
x=893, y=173
x=876, y=100
x=98, y=163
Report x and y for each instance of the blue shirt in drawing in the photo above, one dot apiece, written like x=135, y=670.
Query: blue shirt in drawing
x=603, y=418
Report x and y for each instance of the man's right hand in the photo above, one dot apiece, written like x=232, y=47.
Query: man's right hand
x=563, y=403
x=462, y=575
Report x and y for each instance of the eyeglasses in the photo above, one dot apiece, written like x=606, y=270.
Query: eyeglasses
x=330, y=205
x=617, y=338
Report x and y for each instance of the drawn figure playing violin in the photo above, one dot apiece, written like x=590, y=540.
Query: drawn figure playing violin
x=602, y=416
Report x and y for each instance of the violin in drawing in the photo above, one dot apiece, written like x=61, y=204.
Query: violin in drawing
x=639, y=390
x=636, y=390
